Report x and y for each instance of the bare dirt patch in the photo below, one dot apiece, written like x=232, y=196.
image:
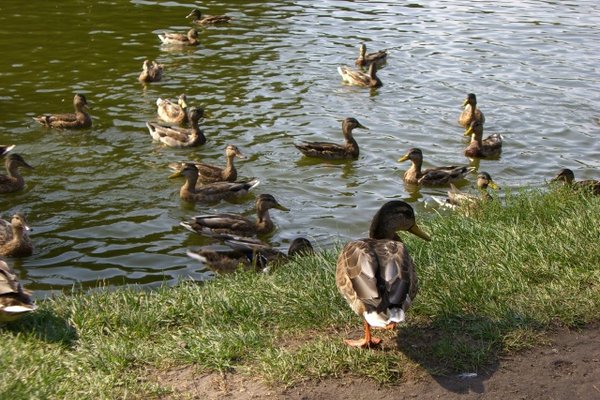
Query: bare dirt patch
x=568, y=368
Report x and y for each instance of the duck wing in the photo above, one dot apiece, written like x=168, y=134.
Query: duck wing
x=378, y=279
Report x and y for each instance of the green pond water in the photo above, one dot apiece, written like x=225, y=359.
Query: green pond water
x=99, y=200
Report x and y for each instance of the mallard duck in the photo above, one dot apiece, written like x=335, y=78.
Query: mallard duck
x=334, y=151
x=14, y=241
x=377, y=276
x=210, y=192
x=479, y=147
x=5, y=149
x=174, y=136
x=173, y=113
x=237, y=224
x=364, y=59
x=15, y=302
x=456, y=197
x=211, y=173
x=13, y=181
x=567, y=177
x=247, y=253
x=179, y=39
x=431, y=176
x=151, y=72
x=359, y=78
x=196, y=14
x=470, y=112
x=80, y=119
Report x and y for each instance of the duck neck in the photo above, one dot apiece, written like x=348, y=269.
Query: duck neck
x=350, y=142
x=477, y=138
x=190, y=184
x=380, y=230
x=198, y=137
x=13, y=171
x=263, y=221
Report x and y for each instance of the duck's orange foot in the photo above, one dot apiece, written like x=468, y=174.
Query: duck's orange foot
x=364, y=342
x=391, y=326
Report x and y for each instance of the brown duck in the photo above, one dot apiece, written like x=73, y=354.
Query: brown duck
x=334, y=151
x=237, y=224
x=376, y=275
x=15, y=302
x=431, y=176
x=13, y=181
x=14, y=241
x=210, y=192
x=79, y=119
x=470, y=112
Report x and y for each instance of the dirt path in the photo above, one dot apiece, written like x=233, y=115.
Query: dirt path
x=569, y=369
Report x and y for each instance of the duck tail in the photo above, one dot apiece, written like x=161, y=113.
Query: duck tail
x=196, y=256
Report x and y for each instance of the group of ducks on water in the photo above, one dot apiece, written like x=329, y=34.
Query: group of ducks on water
x=376, y=275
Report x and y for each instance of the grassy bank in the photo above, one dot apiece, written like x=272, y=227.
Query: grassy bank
x=490, y=284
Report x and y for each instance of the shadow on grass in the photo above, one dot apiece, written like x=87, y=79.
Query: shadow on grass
x=460, y=352
x=45, y=325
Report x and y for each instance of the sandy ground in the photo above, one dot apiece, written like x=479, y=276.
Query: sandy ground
x=568, y=368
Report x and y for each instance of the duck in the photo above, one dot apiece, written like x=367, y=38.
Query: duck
x=458, y=198
x=180, y=39
x=334, y=151
x=210, y=192
x=174, y=136
x=567, y=177
x=77, y=120
x=364, y=59
x=212, y=224
x=151, y=72
x=431, y=176
x=470, y=111
x=13, y=181
x=208, y=173
x=15, y=302
x=359, y=78
x=482, y=148
x=248, y=253
x=14, y=241
x=4, y=149
x=376, y=275
x=196, y=14
x=173, y=113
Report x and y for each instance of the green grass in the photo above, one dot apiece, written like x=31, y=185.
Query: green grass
x=490, y=283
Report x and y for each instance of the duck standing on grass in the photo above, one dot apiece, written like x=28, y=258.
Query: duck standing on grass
x=14, y=241
x=79, y=119
x=377, y=276
x=174, y=136
x=359, y=78
x=334, y=151
x=235, y=224
x=470, y=112
x=431, y=176
x=13, y=181
x=15, y=302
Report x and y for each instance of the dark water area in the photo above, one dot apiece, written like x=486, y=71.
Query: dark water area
x=100, y=202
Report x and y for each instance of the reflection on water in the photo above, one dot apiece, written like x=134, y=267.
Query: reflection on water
x=99, y=199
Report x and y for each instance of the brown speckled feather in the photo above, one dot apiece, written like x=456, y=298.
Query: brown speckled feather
x=374, y=274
